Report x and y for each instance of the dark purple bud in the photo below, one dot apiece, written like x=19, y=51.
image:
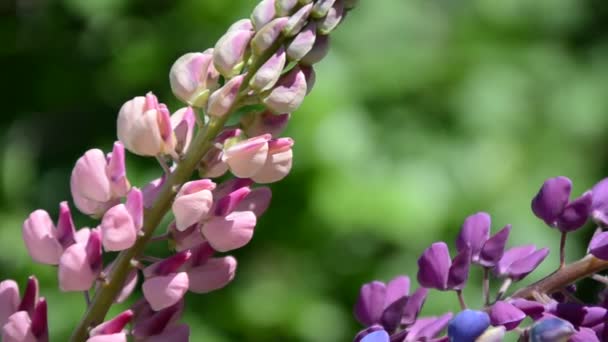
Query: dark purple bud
x=168, y=265
x=149, y=322
x=65, y=226
x=370, y=304
x=413, y=306
x=580, y=315
x=93, y=251
x=474, y=233
x=531, y=308
x=599, y=206
x=598, y=246
x=552, y=199
x=494, y=248
x=507, y=315
x=228, y=203
x=434, y=266
x=468, y=325
x=551, y=330
x=367, y=331
x=427, y=327
x=575, y=214
x=519, y=261
x=459, y=271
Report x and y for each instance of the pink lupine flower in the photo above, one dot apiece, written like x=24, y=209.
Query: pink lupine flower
x=223, y=99
x=121, y=223
x=28, y=320
x=288, y=94
x=207, y=274
x=257, y=201
x=165, y=285
x=9, y=300
x=246, y=158
x=332, y=18
x=40, y=237
x=98, y=182
x=278, y=163
x=112, y=330
x=229, y=232
x=258, y=123
x=192, y=203
x=241, y=24
x=297, y=21
x=263, y=13
x=183, y=122
x=229, y=52
x=267, y=35
x=81, y=263
x=302, y=44
x=144, y=126
x=268, y=74
x=186, y=239
x=193, y=76
x=212, y=165
x=159, y=326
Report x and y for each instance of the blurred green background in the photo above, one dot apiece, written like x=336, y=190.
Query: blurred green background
x=425, y=111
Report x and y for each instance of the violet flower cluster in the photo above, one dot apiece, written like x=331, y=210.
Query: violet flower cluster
x=266, y=63
x=546, y=311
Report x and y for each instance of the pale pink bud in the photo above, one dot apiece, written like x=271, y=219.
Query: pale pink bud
x=214, y=274
x=164, y=291
x=278, y=163
x=228, y=203
x=144, y=126
x=113, y=326
x=212, y=165
x=186, y=239
x=193, y=76
x=263, y=13
x=80, y=264
x=288, y=94
x=285, y=7
x=322, y=7
x=311, y=77
x=18, y=328
x=258, y=123
x=268, y=74
x=241, y=24
x=267, y=35
x=332, y=19
x=257, y=201
x=192, y=203
x=223, y=99
x=297, y=21
x=122, y=222
x=302, y=44
x=97, y=182
x=246, y=158
x=230, y=50
x=183, y=122
x=40, y=237
x=318, y=52
x=9, y=300
x=230, y=232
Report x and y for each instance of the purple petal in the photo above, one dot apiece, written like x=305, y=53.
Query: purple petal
x=459, y=271
x=370, y=304
x=576, y=213
x=510, y=256
x=434, y=266
x=523, y=267
x=395, y=301
x=396, y=289
x=507, y=315
x=494, y=248
x=427, y=327
x=414, y=305
x=530, y=308
x=599, y=246
x=599, y=204
x=551, y=199
x=474, y=233
x=584, y=335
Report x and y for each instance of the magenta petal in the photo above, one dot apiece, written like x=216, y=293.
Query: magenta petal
x=212, y=275
x=507, y=315
x=118, y=337
x=370, y=303
x=524, y=266
x=510, y=256
x=40, y=238
x=599, y=246
x=115, y=325
x=434, y=266
x=65, y=226
x=395, y=301
x=414, y=305
x=257, y=201
x=9, y=300
x=474, y=233
x=176, y=333
x=599, y=204
x=494, y=248
x=75, y=273
x=164, y=291
x=576, y=213
x=531, y=308
x=230, y=232
x=551, y=199
x=584, y=335
x=459, y=271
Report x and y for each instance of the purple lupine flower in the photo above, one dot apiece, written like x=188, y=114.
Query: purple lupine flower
x=437, y=270
x=599, y=203
x=552, y=204
x=475, y=233
x=518, y=262
x=468, y=325
x=81, y=263
x=531, y=308
x=551, y=330
x=506, y=314
x=427, y=328
x=159, y=326
x=578, y=314
x=598, y=246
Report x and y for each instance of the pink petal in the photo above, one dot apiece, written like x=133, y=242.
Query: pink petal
x=9, y=300
x=212, y=275
x=40, y=238
x=230, y=232
x=18, y=328
x=75, y=273
x=118, y=229
x=164, y=291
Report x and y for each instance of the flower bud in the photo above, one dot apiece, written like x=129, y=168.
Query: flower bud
x=211, y=275
x=551, y=330
x=97, y=182
x=268, y=74
x=113, y=327
x=223, y=99
x=242, y=24
x=193, y=76
x=80, y=264
x=267, y=35
x=278, y=163
x=468, y=325
x=517, y=262
x=227, y=204
x=212, y=165
x=230, y=50
x=297, y=21
x=9, y=300
x=318, y=52
x=192, y=203
x=332, y=19
x=322, y=7
x=183, y=122
x=288, y=94
x=165, y=285
x=40, y=237
x=149, y=323
x=144, y=126
x=246, y=158
x=507, y=315
x=121, y=224
x=258, y=123
x=230, y=232
x=303, y=43
x=285, y=7
x=263, y=13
